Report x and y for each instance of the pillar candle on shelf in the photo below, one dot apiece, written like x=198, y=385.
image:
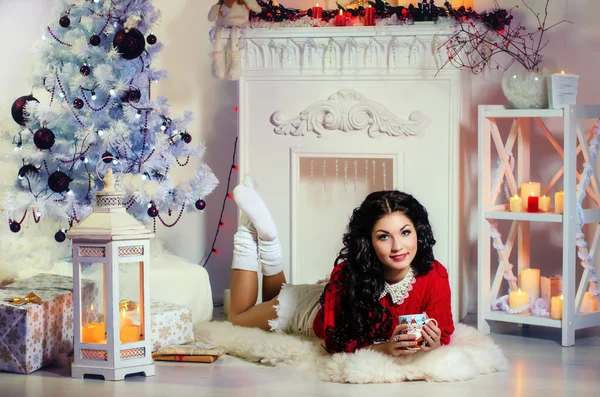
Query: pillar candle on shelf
x=456, y=4
x=589, y=304
x=516, y=204
x=556, y=308
x=518, y=299
x=533, y=204
x=559, y=198
x=562, y=89
x=529, y=189
x=369, y=16
x=544, y=203
x=530, y=282
x=340, y=19
x=317, y=12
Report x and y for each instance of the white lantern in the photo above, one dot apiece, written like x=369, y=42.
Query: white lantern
x=112, y=338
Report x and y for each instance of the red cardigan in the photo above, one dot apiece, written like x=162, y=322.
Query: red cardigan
x=430, y=294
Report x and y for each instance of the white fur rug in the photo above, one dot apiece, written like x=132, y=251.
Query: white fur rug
x=469, y=354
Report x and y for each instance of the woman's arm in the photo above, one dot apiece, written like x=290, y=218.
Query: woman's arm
x=439, y=302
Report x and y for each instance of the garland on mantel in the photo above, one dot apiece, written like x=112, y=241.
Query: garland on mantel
x=275, y=14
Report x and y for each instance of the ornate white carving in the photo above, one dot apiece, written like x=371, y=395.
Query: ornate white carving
x=348, y=110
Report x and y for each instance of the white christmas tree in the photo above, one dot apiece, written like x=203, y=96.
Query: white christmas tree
x=95, y=62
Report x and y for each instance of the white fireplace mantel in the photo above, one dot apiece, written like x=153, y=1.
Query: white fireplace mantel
x=327, y=115
x=352, y=50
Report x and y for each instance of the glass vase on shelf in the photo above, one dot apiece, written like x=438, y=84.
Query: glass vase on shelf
x=524, y=88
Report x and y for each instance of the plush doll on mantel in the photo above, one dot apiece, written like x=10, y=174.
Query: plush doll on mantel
x=229, y=14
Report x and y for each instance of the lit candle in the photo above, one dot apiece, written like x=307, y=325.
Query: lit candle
x=369, y=16
x=462, y=3
x=589, y=304
x=124, y=321
x=340, y=20
x=518, y=299
x=530, y=282
x=544, y=203
x=130, y=333
x=93, y=333
x=559, y=198
x=317, y=12
x=556, y=308
x=516, y=204
x=562, y=89
x=529, y=189
x=533, y=204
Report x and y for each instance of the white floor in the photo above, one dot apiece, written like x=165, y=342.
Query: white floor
x=539, y=367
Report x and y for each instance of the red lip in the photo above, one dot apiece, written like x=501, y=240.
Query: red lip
x=399, y=258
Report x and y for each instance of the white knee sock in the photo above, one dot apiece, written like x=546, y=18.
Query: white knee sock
x=269, y=249
x=245, y=246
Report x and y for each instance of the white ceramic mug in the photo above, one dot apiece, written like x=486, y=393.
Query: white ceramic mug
x=415, y=323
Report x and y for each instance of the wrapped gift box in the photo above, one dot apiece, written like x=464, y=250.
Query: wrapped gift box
x=33, y=335
x=171, y=324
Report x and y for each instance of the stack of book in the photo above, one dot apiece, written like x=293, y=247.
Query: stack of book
x=196, y=352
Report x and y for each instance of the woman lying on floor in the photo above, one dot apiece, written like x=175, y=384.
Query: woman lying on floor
x=386, y=269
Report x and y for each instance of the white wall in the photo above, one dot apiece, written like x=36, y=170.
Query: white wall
x=573, y=47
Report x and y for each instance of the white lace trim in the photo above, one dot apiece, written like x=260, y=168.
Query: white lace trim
x=399, y=291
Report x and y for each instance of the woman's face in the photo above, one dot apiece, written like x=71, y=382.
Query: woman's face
x=395, y=241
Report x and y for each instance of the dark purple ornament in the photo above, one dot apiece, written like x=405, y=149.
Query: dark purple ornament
x=107, y=157
x=151, y=39
x=129, y=43
x=187, y=138
x=64, y=21
x=95, y=40
x=133, y=95
x=153, y=212
x=18, y=107
x=85, y=70
x=60, y=236
x=44, y=138
x=78, y=103
x=58, y=182
x=200, y=205
x=28, y=169
x=15, y=227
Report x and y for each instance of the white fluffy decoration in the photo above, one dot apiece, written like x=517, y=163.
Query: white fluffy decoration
x=469, y=354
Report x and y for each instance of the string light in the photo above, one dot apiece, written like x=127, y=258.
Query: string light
x=100, y=132
x=112, y=92
x=94, y=96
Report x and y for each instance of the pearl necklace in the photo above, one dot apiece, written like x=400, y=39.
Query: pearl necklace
x=399, y=291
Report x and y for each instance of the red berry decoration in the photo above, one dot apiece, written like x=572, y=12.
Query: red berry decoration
x=151, y=39
x=107, y=157
x=18, y=107
x=28, y=169
x=58, y=182
x=187, y=138
x=15, y=227
x=60, y=236
x=95, y=40
x=64, y=21
x=129, y=43
x=153, y=212
x=44, y=138
x=85, y=70
x=78, y=103
x=200, y=205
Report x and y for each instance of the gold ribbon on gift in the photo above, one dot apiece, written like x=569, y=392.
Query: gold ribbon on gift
x=127, y=305
x=30, y=298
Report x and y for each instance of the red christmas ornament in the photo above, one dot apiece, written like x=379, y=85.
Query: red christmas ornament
x=151, y=39
x=107, y=157
x=95, y=40
x=15, y=227
x=60, y=236
x=153, y=212
x=78, y=103
x=129, y=43
x=200, y=205
x=58, y=182
x=64, y=21
x=85, y=70
x=28, y=169
x=44, y=138
x=187, y=138
x=18, y=107
x=133, y=95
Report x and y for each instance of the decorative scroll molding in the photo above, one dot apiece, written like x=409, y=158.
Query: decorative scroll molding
x=348, y=110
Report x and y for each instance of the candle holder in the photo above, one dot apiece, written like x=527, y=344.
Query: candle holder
x=106, y=340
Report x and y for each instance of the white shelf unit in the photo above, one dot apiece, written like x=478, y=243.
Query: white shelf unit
x=494, y=208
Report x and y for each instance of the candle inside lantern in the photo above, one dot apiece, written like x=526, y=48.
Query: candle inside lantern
x=317, y=12
x=369, y=16
x=93, y=333
x=518, y=299
x=530, y=282
x=130, y=333
x=556, y=308
x=589, y=304
x=533, y=204
x=340, y=20
x=529, y=189
x=544, y=203
x=559, y=198
x=124, y=321
x=516, y=204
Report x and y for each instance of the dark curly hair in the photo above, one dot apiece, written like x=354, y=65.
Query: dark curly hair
x=361, y=316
